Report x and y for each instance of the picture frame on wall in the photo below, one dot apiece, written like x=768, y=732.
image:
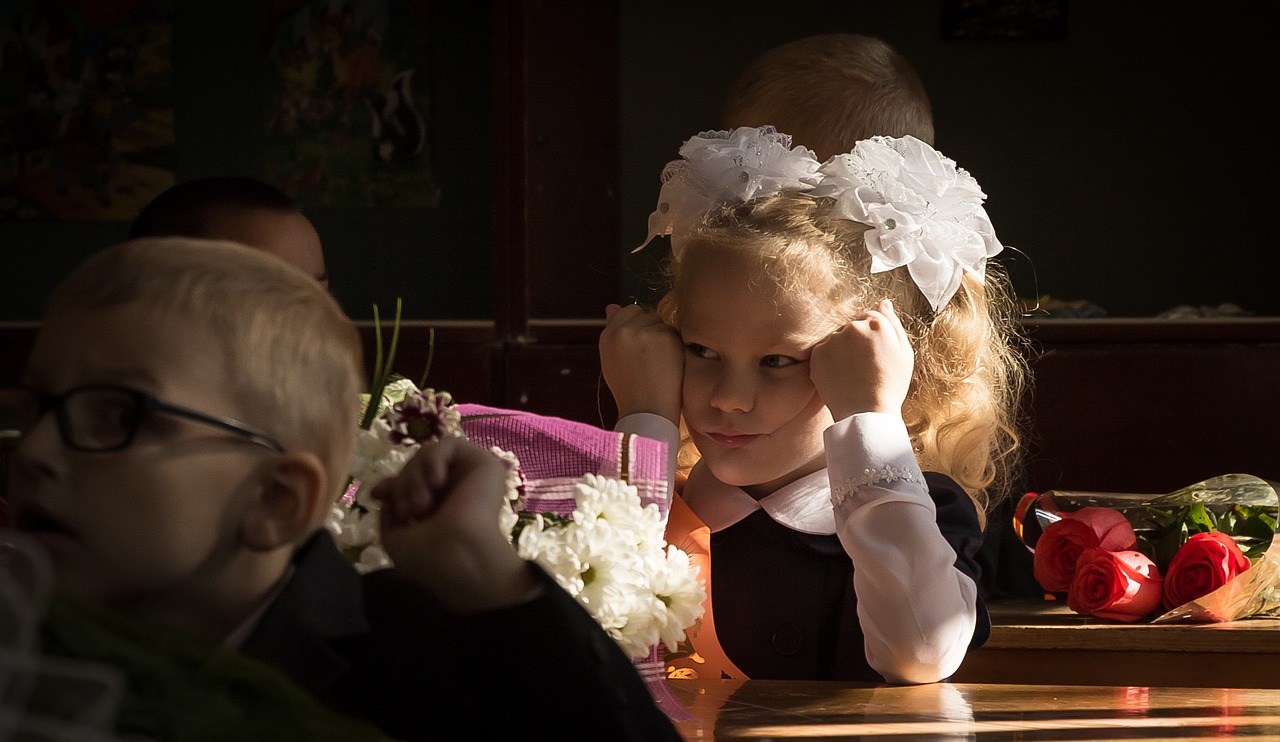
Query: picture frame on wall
x=86, y=108
x=348, y=102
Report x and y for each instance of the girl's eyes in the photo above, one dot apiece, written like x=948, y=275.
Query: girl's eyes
x=699, y=351
x=778, y=361
x=769, y=361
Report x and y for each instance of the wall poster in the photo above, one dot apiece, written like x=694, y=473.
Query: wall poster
x=347, y=111
x=86, y=108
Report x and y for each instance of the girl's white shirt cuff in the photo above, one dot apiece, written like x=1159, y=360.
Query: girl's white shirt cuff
x=918, y=612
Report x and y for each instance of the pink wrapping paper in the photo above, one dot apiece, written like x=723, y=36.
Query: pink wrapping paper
x=554, y=454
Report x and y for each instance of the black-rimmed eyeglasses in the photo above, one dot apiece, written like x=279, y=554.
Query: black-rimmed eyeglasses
x=102, y=417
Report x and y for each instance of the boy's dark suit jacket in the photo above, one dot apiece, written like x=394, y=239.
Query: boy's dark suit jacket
x=379, y=648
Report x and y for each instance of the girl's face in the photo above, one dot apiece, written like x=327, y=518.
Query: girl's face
x=749, y=404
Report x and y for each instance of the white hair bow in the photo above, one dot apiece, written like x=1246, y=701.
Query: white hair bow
x=922, y=210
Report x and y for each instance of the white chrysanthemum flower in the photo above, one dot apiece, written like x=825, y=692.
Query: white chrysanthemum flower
x=337, y=514
x=636, y=613
x=352, y=528
x=397, y=389
x=544, y=543
x=507, y=520
x=677, y=587
x=376, y=458
x=612, y=558
x=618, y=503
x=372, y=558
x=514, y=479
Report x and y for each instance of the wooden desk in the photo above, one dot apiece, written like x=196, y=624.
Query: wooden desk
x=1045, y=642
x=815, y=710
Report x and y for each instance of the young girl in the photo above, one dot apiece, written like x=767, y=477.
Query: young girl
x=841, y=355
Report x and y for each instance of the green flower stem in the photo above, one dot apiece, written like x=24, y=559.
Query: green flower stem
x=381, y=366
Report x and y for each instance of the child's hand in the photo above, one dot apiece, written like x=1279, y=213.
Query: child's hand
x=642, y=359
x=864, y=366
x=439, y=525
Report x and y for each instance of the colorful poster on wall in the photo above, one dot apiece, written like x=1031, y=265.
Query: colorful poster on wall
x=86, y=108
x=347, y=112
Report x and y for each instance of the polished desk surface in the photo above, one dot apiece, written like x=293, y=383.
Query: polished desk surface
x=827, y=710
x=1045, y=642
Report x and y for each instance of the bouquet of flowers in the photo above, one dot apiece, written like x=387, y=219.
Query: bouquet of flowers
x=1203, y=553
x=587, y=504
x=609, y=553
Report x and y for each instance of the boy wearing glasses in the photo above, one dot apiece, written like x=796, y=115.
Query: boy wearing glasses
x=187, y=420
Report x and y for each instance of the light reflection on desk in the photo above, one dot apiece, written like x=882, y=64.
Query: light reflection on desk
x=762, y=709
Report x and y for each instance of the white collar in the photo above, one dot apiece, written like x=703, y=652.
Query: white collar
x=804, y=505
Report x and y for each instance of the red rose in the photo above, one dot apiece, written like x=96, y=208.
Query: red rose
x=1063, y=541
x=1205, y=563
x=1121, y=585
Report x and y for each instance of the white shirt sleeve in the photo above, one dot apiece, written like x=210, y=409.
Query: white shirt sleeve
x=659, y=428
x=917, y=611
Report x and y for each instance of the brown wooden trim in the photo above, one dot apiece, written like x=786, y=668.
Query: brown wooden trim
x=1118, y=330
x=510, y=248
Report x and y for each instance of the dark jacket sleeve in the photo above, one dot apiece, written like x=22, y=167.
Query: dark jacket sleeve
x=544, y=665
x=958, y=522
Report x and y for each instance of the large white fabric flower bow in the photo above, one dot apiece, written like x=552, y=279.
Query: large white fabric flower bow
x=723, y=167
x=924, y=212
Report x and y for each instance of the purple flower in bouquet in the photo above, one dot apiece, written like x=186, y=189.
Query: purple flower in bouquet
x=421, y=416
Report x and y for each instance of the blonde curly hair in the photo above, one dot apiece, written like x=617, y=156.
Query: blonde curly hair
x=964, y=401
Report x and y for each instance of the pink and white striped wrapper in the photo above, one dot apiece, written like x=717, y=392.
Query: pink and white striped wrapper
x=554, y=454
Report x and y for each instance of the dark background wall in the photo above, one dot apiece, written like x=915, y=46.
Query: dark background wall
x=439, y=260
x=1130, y=161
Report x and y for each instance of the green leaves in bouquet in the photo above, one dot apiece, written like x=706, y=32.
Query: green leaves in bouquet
x=524, y=518
x=383, y=364
x=1252, y=524
x=1162, y=531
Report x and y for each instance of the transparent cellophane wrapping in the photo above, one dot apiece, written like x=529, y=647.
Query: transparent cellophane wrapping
x=1254, y=593
x=44, y=697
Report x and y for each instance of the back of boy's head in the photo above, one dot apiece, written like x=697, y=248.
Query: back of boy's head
x=829, y=91
x=185, y=209
x=292, y=357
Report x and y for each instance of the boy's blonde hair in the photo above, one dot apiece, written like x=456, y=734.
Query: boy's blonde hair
x=963, y=405
x=830, y=91
x=292, y=357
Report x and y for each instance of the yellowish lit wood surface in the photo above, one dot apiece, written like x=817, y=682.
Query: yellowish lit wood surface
x=812, y=710
x=1045, y=642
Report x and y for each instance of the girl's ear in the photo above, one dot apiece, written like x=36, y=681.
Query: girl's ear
x=285, y=508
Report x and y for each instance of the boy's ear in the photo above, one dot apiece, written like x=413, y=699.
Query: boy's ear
x=284, y=509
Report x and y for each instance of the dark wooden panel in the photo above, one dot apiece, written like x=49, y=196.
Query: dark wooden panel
x=463, y=361
x=559, y=380
x=1154, y=406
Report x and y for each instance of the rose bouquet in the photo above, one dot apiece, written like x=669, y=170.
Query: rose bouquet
x=1202, y=553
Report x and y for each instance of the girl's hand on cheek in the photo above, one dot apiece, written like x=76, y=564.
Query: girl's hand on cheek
x=864, y=366
x=642, y=359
